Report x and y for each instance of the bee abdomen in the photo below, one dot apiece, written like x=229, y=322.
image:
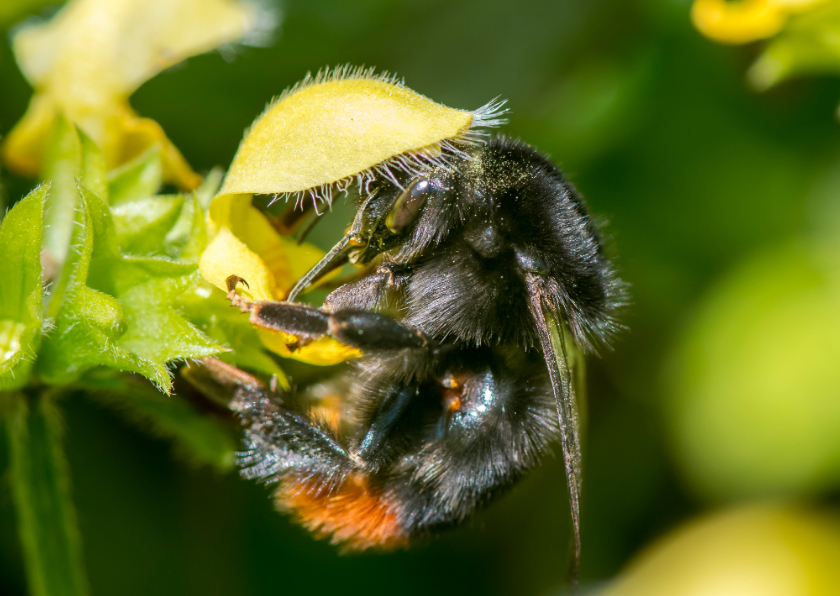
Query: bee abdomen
x=355, y=515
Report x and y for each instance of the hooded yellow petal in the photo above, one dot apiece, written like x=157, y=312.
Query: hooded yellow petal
x=337, y=126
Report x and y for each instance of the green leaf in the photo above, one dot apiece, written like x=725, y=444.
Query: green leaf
x=146, y=287
x=188, y=237
x=117, y=310
x=87, y=322
x=807, y=45
x=21, y=293
x=171, y=226
x=41, y=487
x=139, y=179
x=198, y=436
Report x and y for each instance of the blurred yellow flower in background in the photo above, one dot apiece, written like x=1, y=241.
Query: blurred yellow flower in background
x=741, y=22
x=92, y=55
x=804, y=34
x=757, y=550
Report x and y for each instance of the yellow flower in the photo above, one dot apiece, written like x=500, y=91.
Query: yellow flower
x=245, y=243
x=748, y=20
x=87, y=60
x=327, y=132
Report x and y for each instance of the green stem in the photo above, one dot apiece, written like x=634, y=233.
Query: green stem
x=41, y=485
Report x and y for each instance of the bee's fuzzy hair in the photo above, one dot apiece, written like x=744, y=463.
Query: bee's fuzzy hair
x=413, y=163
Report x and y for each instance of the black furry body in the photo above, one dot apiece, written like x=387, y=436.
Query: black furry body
x=452, y=401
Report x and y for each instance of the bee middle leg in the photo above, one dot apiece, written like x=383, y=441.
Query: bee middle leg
x=368, y=331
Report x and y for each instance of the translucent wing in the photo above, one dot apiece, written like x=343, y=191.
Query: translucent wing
x=556, y=349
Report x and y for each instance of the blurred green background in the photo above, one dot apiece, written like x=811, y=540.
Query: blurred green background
x=723, y=207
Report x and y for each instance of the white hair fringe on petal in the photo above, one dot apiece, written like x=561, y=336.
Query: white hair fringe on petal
x=415, y=162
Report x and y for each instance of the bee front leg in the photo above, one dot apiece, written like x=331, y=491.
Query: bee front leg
x=368, y=331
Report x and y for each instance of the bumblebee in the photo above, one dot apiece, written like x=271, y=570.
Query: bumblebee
x=484, y=284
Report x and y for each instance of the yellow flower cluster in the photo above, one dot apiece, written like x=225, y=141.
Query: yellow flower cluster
x=86, y=61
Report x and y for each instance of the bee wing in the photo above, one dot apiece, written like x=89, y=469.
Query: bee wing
x=552, y=335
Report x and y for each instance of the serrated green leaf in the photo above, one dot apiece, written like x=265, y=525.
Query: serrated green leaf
x=807, y=45
x=146, y=287
x=21, y=293
x=41, y=488
x=200, y=437
x=117, y=310
x=87, y=322
x=139, y=179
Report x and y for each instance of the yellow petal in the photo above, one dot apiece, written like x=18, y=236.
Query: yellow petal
x=323, y=352
x=245, y=244
x=338, y=126
x=136, y=135
x=226, y=255
x=737, y=22
x=23, y=149
x=285, y=259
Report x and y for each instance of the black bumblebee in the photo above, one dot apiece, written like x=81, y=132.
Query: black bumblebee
x=484, y=283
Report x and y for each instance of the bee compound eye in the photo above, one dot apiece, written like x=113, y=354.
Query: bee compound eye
x=408, y=205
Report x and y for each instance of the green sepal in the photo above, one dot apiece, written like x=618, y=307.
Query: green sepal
x=209, y=187
x=71, y=156
x=138, y=179
x=21, y=292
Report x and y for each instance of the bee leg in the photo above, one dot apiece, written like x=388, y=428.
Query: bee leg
x=220, y=381
x=371, y=291
x=361, y=329
x=387, y=414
